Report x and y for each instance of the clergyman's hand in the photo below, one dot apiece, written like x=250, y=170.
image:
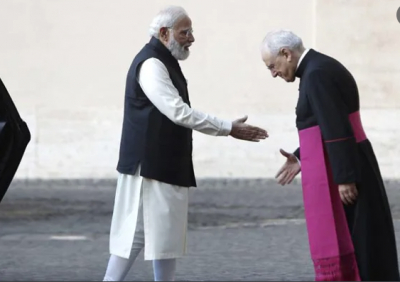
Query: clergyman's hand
x=348, y=193
x=241, y=130
x=289, y=170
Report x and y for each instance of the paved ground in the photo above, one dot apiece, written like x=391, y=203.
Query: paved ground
x=239, y=230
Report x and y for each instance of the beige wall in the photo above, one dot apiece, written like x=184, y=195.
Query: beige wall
x=64, y=62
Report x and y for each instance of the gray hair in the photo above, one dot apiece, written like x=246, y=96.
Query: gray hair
x=167, y=17
x=277, y=39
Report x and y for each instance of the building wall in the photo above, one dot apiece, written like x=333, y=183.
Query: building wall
x=64, y=62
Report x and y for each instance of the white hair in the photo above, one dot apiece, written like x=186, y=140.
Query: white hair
x=167, y=17
x=277, y=39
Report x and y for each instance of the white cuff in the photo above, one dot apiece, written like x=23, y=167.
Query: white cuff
x=226, y=128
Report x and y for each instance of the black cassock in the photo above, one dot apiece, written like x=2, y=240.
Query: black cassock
x=346, y=242
x=14, y=138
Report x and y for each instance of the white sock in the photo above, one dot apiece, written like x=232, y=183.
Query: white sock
x=117, y=268
x=164, y=269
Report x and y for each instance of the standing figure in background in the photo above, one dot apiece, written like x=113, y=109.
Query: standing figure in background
x=349, y=222
x=155, y=162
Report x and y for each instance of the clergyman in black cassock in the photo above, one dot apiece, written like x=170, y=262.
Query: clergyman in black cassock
x=348, y=217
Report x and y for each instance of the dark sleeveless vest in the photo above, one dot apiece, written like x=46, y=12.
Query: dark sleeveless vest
x=162, y=148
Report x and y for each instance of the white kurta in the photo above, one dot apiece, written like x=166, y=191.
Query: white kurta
x=165, y=206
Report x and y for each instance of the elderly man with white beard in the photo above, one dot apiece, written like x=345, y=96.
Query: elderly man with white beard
x=155, y=161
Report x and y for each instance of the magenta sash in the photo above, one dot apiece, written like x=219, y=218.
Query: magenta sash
x=330, y=241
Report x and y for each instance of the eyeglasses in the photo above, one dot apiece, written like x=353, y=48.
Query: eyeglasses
x=185, y=32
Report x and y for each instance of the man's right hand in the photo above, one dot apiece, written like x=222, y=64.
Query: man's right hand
x=289, y=170
x=243, y=131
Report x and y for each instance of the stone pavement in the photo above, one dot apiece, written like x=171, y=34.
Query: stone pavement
x=238, y=230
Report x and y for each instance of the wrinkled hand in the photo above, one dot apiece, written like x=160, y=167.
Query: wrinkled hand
x=348, y=193
x=243, y=131
x=289, y=170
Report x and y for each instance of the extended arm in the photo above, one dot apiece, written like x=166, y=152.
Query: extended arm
x=158, y=87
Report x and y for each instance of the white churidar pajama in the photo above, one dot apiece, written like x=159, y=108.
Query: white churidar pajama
x=164, y=217
x=165, y=206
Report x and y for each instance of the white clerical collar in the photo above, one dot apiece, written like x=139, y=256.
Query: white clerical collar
x=302, y=57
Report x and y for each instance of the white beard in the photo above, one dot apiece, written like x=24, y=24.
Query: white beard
x=177, y=50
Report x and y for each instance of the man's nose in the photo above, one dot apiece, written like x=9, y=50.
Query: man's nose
x=191, y=38
x=274, y=73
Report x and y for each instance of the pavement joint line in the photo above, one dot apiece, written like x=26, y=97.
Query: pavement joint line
x=265, y=223
x=89, y=237
x=69, y=237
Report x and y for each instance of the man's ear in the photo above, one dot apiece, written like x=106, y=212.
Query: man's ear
x=164, y=33
x=284, y=52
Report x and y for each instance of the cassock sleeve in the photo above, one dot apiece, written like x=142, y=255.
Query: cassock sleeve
x=332, y=117
x=297, y=153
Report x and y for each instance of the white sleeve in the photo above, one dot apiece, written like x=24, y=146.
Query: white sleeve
x=157, y=85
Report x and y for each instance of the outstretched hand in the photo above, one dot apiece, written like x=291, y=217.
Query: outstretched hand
x=289, y=170
x=241, y=130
